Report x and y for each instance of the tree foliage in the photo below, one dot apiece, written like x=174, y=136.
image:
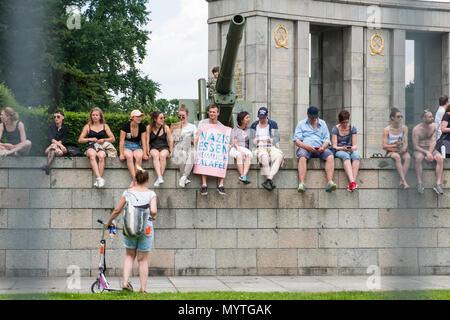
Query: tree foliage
x=45, y=62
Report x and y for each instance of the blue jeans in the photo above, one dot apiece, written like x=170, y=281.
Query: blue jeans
x=143, y=242
x=132, y=145
x=345, y=155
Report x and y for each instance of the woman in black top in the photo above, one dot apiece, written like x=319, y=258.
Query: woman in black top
x=160, y=142
x=133, y=143
x=57, y=136
x=14, y=131
x=96, y=131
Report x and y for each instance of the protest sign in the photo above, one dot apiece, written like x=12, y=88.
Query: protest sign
x=211, y=157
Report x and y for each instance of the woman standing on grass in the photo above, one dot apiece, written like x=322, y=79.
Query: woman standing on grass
x=137, y=247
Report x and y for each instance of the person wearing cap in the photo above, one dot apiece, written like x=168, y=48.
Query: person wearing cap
x=132, y=145
x=312, y=139
x=264, y=137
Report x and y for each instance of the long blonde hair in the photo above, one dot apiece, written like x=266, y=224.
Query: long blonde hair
x=102, y=118
x=13, y=116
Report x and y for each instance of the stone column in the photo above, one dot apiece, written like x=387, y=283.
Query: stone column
x=377, y=89
x=354, y=79
x=446, y=63
x=257, y=55
x=214, y=47
x=398, y=69
x=301, y=72
x=282, y=79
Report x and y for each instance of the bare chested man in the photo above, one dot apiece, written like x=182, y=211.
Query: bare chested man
x=424, y=142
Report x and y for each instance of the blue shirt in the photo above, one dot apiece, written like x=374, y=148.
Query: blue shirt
x=314, y=138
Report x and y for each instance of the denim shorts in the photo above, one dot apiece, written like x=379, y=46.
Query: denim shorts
x=143, y=242
x=132, y=145
x=345, y=155
x=306, y=154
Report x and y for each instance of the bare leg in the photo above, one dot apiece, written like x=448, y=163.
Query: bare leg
x=155, y=156
x=439, y=167
x=128, y=265
x=329, y=167
x=302, y=165
x=101, y=162
x=239, y=164
x=349, y=170
x=163, y=160
x=142, y=258
x=247, y=163
x=418, y=166
x=92, y=154
x=130, y=165
x=355, y=169
x=406, y=163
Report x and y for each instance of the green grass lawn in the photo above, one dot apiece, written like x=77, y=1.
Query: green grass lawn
x=349, y=295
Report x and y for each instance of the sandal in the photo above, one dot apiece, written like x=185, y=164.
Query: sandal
x=128, y=287
x=143, y=291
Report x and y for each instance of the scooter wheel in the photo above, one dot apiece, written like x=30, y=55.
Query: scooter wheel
x=97, y=287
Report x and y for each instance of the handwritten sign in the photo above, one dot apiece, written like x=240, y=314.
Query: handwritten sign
x=211, y=157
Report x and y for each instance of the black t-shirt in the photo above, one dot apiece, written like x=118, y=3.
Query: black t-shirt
x=446, y=117
x=126, y=127
x=58, y=135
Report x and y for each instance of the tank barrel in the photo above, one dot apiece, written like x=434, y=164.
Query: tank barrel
x=226, y=73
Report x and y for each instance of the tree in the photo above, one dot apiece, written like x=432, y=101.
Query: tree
x=79, y=67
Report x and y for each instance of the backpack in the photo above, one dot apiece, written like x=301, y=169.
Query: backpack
x=134, y=219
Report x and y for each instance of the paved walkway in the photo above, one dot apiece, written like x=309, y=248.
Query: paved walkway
x=234, y=283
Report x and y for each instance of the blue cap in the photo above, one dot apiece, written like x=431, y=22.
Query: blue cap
x=263, y=112
x=313, y=112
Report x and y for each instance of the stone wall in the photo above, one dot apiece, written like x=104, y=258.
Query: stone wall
x=48, y=223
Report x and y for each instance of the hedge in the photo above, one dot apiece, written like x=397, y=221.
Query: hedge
x=37, y=120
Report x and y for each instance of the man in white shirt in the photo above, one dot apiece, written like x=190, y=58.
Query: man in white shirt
x=443, y=104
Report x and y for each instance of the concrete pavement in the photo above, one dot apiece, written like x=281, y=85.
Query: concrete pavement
x=233, y=283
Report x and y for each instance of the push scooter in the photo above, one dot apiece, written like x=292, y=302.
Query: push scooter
x=101, y=283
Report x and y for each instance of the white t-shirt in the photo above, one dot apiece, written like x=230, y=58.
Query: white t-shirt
x=263, y=134
x=138, y=198
x=206, y=121
x=438, y=119
x=183, y=138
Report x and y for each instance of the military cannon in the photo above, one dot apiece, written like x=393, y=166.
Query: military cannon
x=224, y=96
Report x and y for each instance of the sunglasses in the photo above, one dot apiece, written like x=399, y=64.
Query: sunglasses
x=56, y=117
x=399, y=117
x=181, y=117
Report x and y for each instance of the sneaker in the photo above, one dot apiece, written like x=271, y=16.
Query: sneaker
x=272, y=185
x=420, y=188
x=101, y=182
x=267, y=185
x=187, y=181
x=438, y=189
x=221, y=190
x=331, y=186
x=96, y=182
x=182, y=182
x=242, y=178
x=246, y=181
x=351, y=187
x=301, y=187
x=158, y=181
x=204, y=190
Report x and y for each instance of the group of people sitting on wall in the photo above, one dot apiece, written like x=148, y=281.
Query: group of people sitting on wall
x=258, y=139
